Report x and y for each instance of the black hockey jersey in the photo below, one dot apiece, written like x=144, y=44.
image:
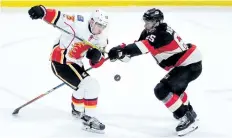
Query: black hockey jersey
x=166, y=47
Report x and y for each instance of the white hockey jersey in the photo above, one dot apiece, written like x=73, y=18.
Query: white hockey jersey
x=77, y=25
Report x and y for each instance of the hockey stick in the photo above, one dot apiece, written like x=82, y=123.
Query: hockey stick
x=16, y=111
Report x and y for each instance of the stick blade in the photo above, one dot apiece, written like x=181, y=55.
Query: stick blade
x=16, y=111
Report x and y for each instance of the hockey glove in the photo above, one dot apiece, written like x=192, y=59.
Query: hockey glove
x=116, y=52
x=37, y=12
x=94, y=55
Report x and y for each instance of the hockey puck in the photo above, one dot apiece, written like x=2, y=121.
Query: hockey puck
x=117, y=77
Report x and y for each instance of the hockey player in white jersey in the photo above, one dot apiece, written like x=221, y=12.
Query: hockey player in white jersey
x=67, y=55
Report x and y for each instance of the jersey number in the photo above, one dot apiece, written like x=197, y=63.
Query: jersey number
x=151, y=38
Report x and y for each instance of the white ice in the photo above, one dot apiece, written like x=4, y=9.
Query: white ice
x=128, y=107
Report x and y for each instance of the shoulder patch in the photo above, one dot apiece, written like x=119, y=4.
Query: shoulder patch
x=69, y=17
x=80, y=18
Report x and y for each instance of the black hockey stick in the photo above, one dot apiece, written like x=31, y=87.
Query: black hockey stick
x=16, y=111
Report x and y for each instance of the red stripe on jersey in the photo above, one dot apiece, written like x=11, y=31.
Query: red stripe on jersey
x=151, y=49
x=169, y=47
x=186, y=55
x=50, y=15
x=154, y=51
x=172, y=101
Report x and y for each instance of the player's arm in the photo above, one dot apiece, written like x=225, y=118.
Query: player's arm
x=141, y=47
x=149, y=43
x=124, y=52
x=53, y=16
x=153, y=42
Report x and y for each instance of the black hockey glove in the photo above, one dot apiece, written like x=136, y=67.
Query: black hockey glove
x=37, y=12
x=115, y=53
x=94, y=55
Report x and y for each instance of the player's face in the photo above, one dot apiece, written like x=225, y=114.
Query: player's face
x=148, y=25
x=98, y=28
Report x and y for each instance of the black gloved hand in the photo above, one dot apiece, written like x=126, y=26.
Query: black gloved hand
x=94, y=55
x=37, y=12
x=115, y=53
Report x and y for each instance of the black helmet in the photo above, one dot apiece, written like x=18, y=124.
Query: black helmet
x=152, y=18
x=153, y=15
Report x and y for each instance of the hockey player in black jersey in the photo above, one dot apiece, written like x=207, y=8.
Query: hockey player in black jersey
x=183, y=61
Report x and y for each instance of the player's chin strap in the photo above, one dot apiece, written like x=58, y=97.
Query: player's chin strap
x=86, y=42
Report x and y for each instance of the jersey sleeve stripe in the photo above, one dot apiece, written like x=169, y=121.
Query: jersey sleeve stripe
x=57, y=17
x=52, y=16
x=142, y=47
